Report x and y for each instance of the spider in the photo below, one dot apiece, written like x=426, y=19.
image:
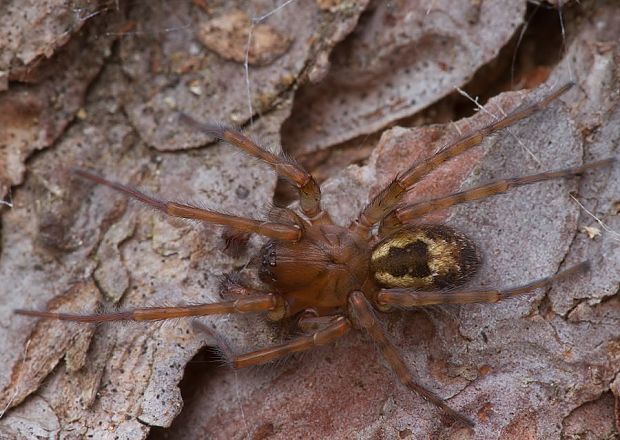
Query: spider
x=333, y=279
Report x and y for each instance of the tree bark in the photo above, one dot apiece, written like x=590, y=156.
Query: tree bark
x=356, y=91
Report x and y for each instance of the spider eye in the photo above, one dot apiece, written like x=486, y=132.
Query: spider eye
x=424, y=257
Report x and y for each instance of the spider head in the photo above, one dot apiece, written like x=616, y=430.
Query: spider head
x=424, y=257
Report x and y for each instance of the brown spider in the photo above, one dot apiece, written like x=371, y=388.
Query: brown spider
x=331, y=278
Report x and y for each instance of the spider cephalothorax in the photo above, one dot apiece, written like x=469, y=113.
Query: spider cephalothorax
x=318, y=271
x=331, y=277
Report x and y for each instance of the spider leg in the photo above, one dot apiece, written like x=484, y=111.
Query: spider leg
x=338, y=328
x=309, y=189
x=259, y=303
x=310, y=322
x=392, y=194
x=405, y=298
x=366, y=319
x=277, y=231
x=401, y=215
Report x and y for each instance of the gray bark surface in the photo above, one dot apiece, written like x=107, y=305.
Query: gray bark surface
x=99, y=86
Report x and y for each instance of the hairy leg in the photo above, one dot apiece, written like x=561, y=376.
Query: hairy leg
x=335, y=330
x=365, y=318
x=277, y=231
x=310, y=323
x=405, y=298
x=255, y=304
x=309, y=190
x=387, y=199
x=401, y=215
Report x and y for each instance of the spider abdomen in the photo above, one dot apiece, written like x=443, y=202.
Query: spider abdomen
x=424, y=257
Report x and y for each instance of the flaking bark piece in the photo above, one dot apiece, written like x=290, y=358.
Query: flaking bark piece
x=32, y=32
x=34, y=365
x=111, y=275
x=174, y=71
x=402, y=57
x=228, y=37
x=35, y=111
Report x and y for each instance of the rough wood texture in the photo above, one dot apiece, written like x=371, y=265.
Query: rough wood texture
x=544, y=366
x=402, y=57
